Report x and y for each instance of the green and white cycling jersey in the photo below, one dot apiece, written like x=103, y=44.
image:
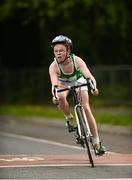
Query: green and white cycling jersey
x=73, y=78
x=69, y=77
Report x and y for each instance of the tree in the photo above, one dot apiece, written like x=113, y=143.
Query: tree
x=101, y=30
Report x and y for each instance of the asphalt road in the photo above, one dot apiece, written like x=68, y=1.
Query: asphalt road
x=115, y=140
x=28, y=151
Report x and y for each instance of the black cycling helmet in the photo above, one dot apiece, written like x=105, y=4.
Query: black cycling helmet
x=62, y=39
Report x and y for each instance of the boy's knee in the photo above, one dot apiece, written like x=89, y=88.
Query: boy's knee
x=86, y=107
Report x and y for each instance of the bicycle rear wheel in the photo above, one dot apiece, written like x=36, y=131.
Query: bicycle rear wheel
x=84, y=133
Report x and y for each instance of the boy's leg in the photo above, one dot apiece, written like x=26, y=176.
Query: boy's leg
x=64, y=107
x=92, y=123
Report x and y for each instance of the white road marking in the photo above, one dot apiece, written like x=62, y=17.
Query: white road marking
x=60, y=165
x=44, y=141
x=38, y=140
x=22, y=159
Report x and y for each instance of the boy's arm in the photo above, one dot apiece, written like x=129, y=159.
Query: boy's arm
x=81, y=65
x=86, y=72
x=53, y=76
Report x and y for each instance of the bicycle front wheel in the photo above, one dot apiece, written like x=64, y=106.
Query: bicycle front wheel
x=84, y=131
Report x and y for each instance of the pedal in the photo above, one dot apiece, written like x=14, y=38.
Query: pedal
x=80, y=141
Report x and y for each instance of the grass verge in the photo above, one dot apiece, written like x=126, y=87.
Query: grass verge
x=114, y=115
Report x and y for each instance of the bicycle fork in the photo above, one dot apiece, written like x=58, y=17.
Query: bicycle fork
x=85, y=119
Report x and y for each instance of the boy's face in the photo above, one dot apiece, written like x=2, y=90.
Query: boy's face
x=60, y=52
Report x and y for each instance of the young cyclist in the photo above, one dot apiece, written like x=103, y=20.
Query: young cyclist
x=69, y=69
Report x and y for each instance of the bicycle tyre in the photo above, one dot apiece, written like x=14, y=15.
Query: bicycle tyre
x=84, y=131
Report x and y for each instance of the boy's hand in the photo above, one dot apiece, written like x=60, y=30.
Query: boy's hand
x=95, y=92
x=55, y=100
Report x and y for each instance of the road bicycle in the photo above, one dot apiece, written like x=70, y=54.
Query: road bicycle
x=82, y=130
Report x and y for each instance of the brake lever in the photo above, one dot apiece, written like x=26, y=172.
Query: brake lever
x=55, y=92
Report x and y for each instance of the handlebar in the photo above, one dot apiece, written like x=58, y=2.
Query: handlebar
x=71, y=87
x=89, y=84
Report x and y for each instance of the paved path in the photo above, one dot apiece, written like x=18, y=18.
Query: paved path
x=45, y=150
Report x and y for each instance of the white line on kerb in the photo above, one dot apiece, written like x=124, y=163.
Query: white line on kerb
x=43, y=141
x=28, y=138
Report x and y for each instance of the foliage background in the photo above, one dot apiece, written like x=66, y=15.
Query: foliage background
x=100, y=30
x=101, y=35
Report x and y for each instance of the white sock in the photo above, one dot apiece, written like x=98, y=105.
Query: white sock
x=95, y=140
x=67, y=117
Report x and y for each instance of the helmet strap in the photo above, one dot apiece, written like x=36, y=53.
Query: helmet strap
x=64, y=59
